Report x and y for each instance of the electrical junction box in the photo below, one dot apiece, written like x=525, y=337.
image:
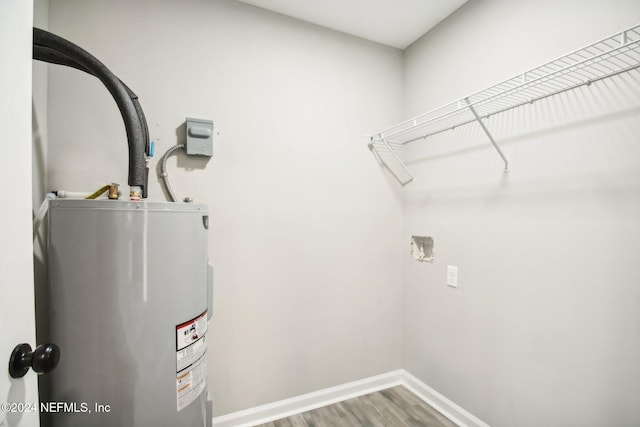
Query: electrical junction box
x=199, y=137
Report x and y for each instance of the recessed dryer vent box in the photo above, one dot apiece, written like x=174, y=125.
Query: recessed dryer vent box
x=422, y=248
x=199, y=137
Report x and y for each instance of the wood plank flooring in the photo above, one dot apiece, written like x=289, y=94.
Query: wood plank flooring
x=392, y=407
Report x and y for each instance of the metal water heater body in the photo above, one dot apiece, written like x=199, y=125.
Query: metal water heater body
x=129, y=298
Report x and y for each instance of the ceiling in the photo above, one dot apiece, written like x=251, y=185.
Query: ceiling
x=396, y=23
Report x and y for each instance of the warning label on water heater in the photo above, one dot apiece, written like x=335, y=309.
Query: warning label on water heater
x=191, y=362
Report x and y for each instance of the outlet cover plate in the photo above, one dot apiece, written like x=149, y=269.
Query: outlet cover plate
x=452, y=276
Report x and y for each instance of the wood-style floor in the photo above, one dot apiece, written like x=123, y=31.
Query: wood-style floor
x=392, y=407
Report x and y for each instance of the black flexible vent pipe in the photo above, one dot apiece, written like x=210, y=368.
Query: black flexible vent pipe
x=50, y=48
x=47, y=54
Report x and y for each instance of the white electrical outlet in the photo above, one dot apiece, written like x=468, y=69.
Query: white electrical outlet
x=452, y=276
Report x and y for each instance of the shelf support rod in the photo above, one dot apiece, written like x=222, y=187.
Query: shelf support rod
x=486, y=131
x=406, y=169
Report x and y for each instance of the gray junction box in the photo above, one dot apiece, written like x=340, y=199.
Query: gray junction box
x=199, y=137
x=129, y=299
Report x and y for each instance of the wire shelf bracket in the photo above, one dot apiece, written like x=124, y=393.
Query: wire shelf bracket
x=614, y=55
x=486, y=131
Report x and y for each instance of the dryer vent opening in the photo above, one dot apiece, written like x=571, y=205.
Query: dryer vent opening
x=422, y=248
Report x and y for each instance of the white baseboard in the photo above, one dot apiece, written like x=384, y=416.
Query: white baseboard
x=306, y=402
x=440, y=403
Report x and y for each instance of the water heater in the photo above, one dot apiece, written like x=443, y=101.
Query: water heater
x=129, y=298
x=129, y=290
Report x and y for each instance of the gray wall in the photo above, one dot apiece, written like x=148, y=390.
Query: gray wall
x=305, y=230
x=544, y=329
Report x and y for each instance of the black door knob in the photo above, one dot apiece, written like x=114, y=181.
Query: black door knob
x=43, y=359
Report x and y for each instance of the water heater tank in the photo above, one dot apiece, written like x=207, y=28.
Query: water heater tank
x=129, y=291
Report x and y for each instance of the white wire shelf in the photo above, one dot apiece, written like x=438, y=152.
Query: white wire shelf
x=608, y=57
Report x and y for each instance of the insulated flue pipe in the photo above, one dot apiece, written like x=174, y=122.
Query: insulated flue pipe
x=54, y=49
